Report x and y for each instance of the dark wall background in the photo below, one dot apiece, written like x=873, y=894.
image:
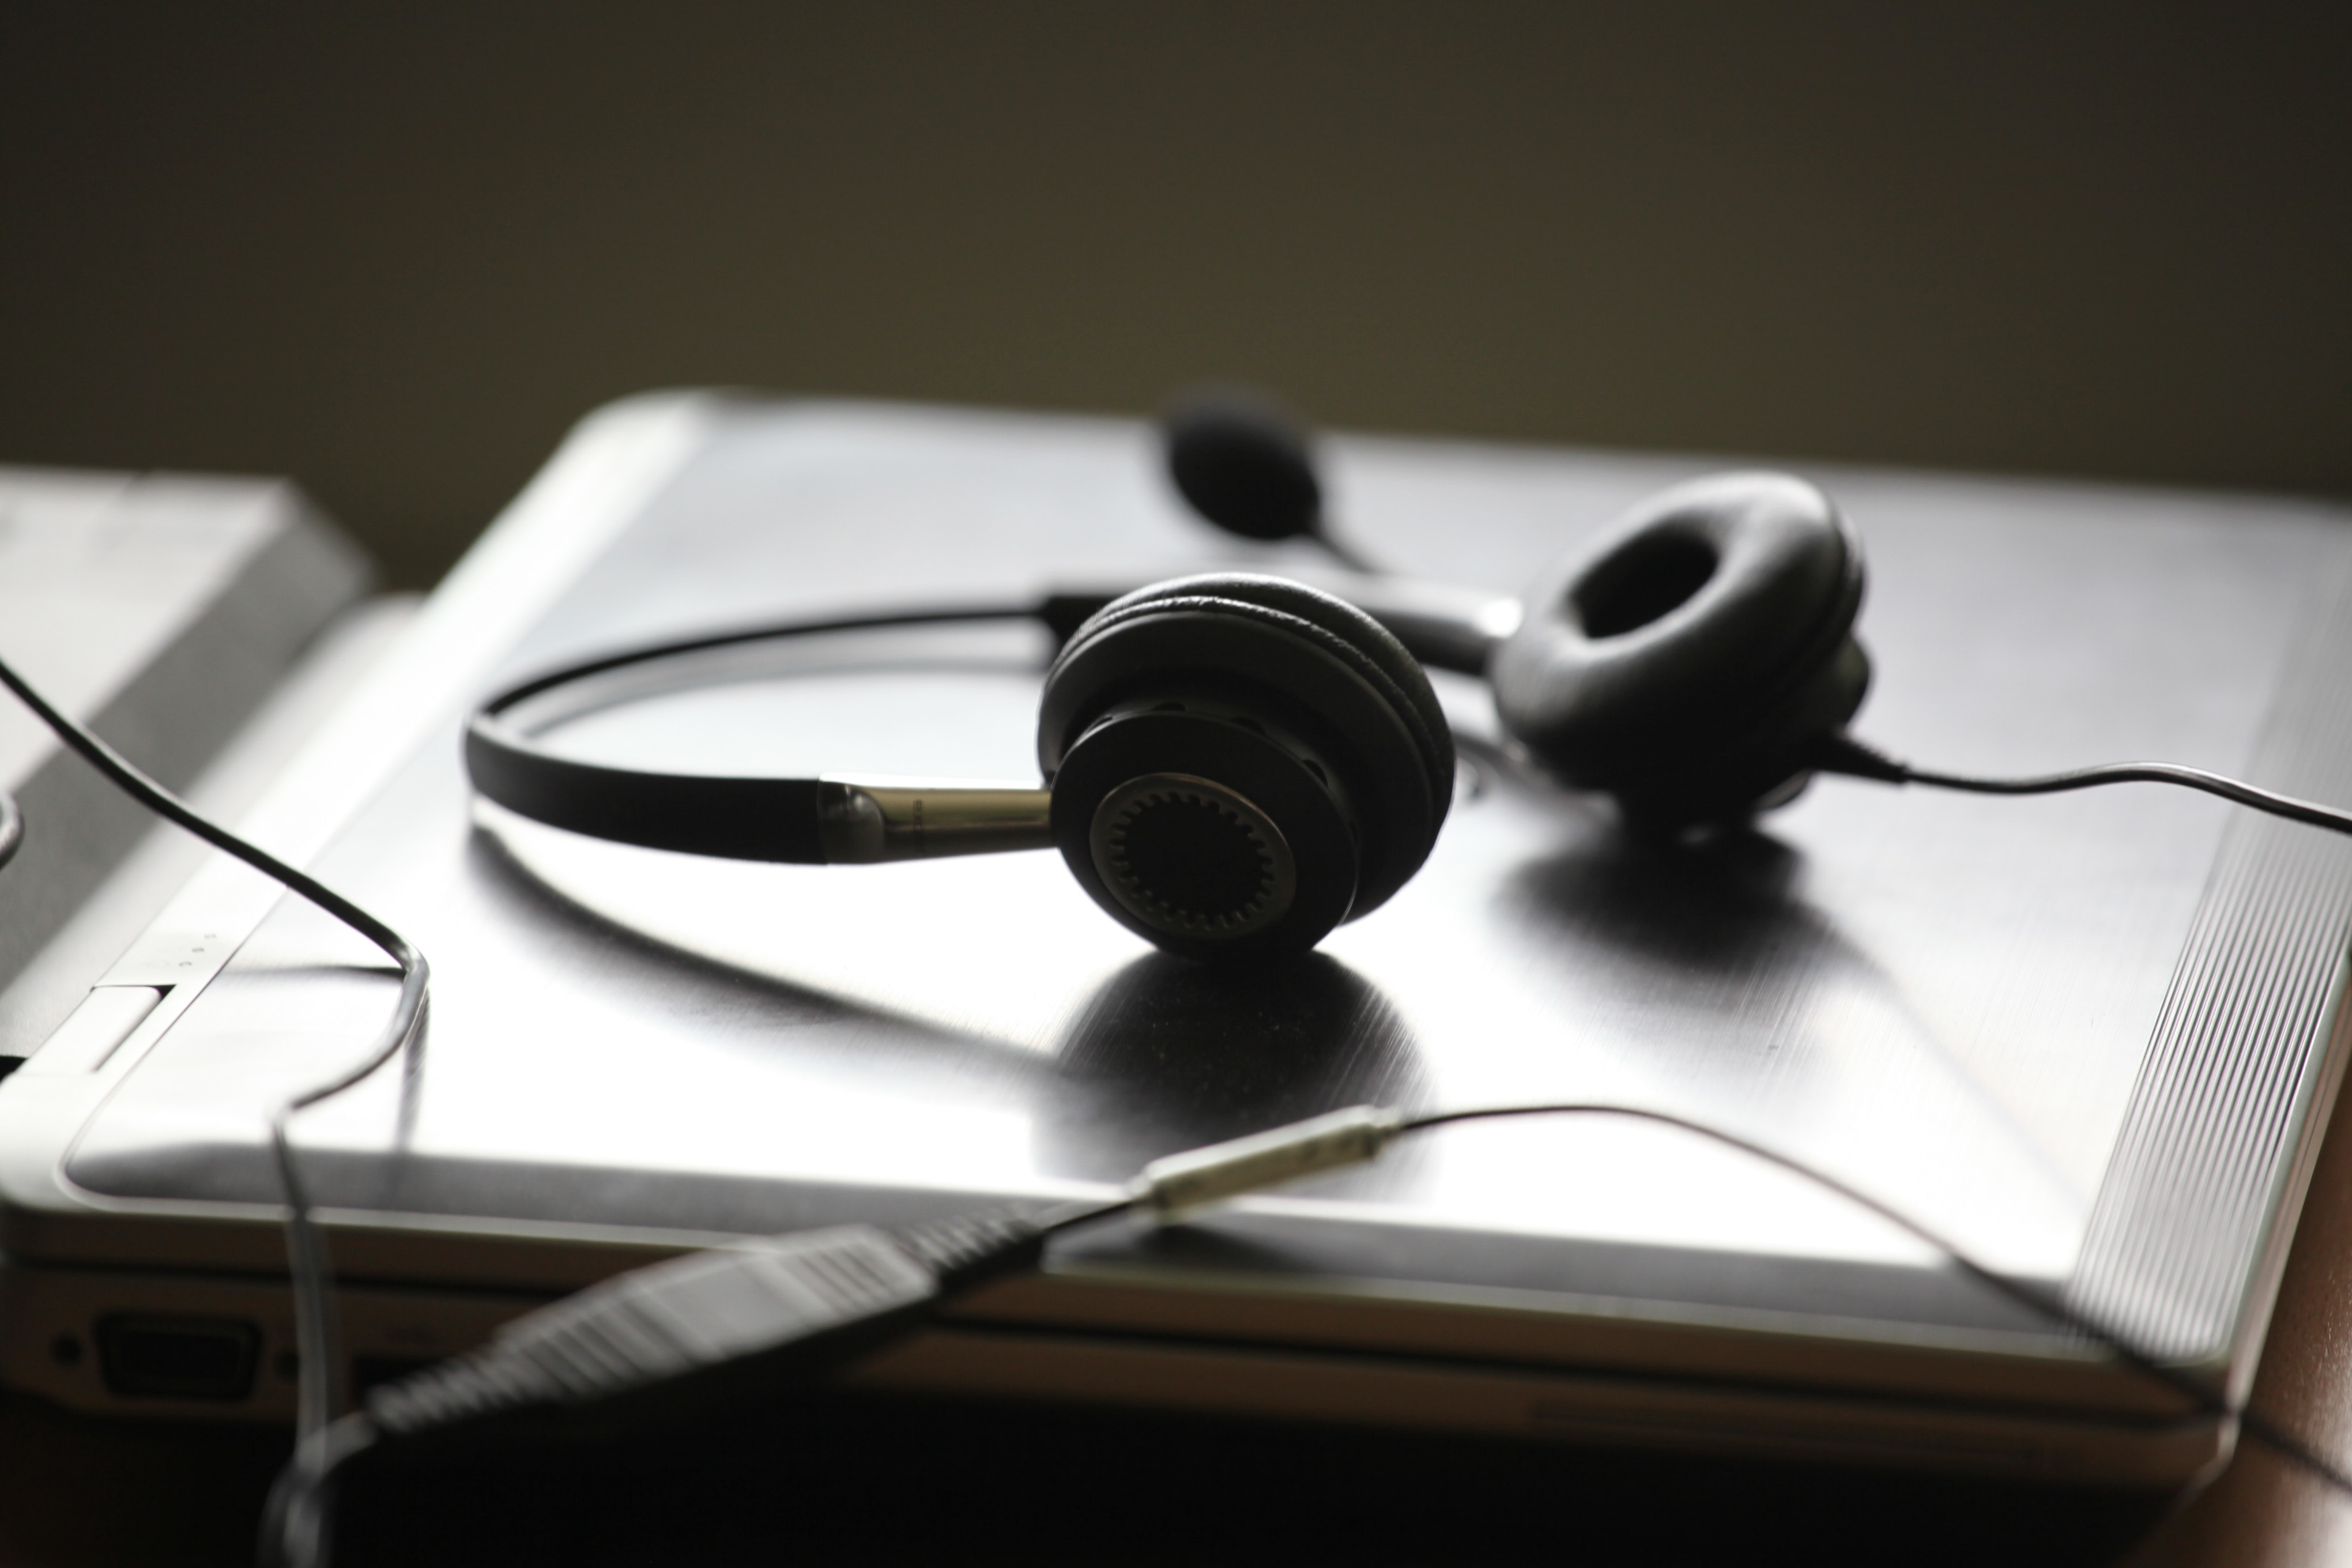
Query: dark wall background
x=395, y=253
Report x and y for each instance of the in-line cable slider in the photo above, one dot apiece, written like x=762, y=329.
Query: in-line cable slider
x=1169, y=1188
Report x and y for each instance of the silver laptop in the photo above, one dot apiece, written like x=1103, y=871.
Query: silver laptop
x=2092, y=1038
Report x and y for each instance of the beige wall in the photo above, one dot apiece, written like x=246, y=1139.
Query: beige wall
x=396, y=256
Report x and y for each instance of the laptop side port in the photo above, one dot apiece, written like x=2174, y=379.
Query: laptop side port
x=153, y=1357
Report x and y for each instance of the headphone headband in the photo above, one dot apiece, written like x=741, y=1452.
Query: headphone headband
x=772, y=819
x=792, y=820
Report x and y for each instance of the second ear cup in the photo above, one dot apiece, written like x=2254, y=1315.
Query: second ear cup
x=1687, y=660
x=1239, y=763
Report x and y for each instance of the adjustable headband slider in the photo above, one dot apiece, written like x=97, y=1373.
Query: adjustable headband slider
x=861, y=822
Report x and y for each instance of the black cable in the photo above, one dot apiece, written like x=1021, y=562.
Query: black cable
x=1844, y=754
x=314, y=1326
x=600, y=1345
x=2276, y=805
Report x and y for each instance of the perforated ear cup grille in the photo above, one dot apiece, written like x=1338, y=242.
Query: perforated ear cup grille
x=1316, y=668
x=1190, y=857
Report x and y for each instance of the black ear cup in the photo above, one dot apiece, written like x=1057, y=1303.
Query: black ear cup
x=1239, y=763
x=1689, y=659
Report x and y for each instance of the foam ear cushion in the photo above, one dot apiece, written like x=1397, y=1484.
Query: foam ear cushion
x=1332, y=669
x=1693, y=647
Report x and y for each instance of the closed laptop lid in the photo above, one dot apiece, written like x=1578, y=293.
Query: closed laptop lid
x=2081, y=1035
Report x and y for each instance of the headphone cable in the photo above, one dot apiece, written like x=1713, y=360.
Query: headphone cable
x=1854, y=759
x=316, y=1354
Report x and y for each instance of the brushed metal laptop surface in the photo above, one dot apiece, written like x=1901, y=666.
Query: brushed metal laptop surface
x=2082, y=1035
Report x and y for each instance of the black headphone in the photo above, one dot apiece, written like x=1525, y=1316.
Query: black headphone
x=1237, y=763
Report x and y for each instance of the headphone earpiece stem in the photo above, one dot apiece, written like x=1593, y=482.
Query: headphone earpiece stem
x=864, y=822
